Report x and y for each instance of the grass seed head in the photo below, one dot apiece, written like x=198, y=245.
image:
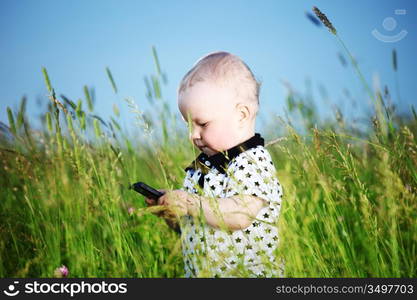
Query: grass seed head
x=324, y=20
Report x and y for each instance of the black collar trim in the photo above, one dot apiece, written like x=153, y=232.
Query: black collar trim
x=221, y=160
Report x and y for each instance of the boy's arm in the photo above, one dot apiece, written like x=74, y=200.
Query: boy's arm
x=236, y=212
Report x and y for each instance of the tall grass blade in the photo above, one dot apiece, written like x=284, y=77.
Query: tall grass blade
x=69, y=102
x=394, y=60
x=115, y=123
x=21, y=113
x=148, y=89
x=97, y=129
x=116, y=110
x=156, y=87
x=88, y=98
x=46, y=78
x=49, y=121
x=11, y=121
x=156, y=60
x=110, y=76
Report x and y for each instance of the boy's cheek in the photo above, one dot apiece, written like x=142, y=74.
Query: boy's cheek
x=214, y=137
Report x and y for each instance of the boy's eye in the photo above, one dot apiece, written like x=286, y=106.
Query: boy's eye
x=203, y=124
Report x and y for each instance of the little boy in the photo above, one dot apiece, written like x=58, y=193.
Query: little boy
x=230, y=200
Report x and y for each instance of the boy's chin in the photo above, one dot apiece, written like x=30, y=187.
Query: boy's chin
x=208, y=151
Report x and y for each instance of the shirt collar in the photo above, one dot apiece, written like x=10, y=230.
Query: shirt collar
x=221, y=160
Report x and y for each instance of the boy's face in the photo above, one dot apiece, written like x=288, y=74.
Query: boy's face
x=211, y=110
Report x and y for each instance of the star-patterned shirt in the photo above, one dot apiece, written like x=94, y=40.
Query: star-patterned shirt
x=213, y=252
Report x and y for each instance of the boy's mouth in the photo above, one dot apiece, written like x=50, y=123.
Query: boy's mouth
x=204, y=149
x=200, y=147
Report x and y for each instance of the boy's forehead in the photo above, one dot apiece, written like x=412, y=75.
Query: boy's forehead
x=198, y=110
x=207, y=94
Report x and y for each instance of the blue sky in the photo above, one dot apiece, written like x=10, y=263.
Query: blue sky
x=76, y=40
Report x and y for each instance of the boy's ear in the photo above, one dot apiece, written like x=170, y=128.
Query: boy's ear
x=244, y=111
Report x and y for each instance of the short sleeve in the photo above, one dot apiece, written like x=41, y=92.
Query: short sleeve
x=253, y=173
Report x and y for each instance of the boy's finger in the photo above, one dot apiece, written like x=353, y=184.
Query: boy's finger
x=161, y=200
x=150, y=201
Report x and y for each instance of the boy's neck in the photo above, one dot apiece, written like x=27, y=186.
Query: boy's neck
x=245, y=137
x=246, y=134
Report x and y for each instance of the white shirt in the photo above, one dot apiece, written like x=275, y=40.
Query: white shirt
x=213, y=252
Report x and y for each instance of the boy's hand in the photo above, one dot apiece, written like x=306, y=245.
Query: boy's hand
x=153, y=202
x=168, y=216
x=176, y=202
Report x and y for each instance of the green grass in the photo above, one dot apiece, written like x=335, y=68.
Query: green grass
x=349, y=209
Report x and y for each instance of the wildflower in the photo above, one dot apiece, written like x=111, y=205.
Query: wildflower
x=130, y=210
x=408, y=187
x=61, y=272
x=324, y=19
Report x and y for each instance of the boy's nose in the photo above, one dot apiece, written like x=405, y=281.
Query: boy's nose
x=194, y=135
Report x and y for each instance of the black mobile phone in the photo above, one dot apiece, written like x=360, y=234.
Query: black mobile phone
x=146, y=190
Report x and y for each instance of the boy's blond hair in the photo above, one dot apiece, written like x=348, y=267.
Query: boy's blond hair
x=225, y=69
